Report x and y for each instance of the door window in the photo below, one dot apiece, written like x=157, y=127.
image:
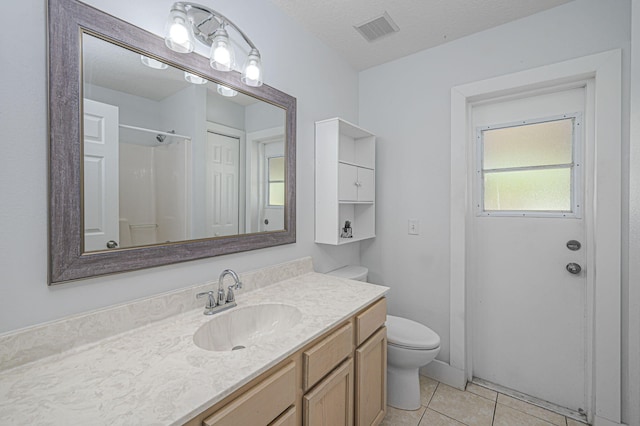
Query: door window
x=530, y=168
x=275, y=179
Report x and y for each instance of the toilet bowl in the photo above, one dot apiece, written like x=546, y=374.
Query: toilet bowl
x=410, y=345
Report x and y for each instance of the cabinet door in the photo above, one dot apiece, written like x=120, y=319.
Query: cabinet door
x=371, y=380
x=366, y=185
x=330, y=403
x=347, y=182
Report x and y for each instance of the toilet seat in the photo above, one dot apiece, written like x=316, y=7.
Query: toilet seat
x=404, y=333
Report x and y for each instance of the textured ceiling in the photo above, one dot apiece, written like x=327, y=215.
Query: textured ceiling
x=423, y=23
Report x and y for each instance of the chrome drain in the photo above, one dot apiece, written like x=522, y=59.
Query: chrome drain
x=237, y=348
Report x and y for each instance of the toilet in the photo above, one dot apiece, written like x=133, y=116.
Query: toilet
x=410, y=345
x=358, y=273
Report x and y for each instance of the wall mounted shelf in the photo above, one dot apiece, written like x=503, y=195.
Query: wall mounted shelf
x=345, y=181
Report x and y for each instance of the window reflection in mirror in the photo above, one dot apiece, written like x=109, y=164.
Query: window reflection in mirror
x=170, y=156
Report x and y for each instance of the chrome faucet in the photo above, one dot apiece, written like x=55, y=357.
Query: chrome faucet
x=221, y=302
x=235, y=286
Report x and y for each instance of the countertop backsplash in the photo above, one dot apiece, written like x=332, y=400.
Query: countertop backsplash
x=48, y=339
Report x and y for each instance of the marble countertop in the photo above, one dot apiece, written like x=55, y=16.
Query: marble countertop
x=156, y=375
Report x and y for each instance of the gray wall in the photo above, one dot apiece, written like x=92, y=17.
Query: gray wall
x=25, y=298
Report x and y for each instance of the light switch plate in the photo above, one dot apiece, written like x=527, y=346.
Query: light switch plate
x=414, y=227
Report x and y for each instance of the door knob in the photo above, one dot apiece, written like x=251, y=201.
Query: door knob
x=266, y=221
x=573, y=245
x=112, y=244
x=574, y=268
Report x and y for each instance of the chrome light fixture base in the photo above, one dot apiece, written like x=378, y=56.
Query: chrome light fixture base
x=188, y=22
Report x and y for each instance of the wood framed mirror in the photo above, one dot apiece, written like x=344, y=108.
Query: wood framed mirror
x=146, y=166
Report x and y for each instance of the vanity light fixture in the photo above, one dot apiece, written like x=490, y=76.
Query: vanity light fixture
x=188, y=22
x=153, y=63
x=194, y=79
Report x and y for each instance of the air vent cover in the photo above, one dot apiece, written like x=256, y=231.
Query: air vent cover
x=377, y=28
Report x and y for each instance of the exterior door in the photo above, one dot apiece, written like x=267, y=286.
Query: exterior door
x=528, y=288
x=101, y=199
x=223, y=168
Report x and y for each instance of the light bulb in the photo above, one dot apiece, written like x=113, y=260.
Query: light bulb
x=252, y=70
x=222, y=57
x=178, y=33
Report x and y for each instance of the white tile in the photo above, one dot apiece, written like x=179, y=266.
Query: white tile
x=482, y=391
x=466, y=407
x=507, y=416
x=427, y=389
x=396, y=417
x=541, y=413
x=433, y=418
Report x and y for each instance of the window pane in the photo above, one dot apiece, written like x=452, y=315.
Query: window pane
x=531, y=190
x=276, y=193
x=276, y=168
x=540, y=144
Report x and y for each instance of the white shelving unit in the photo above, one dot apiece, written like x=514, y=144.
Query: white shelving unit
x=345, y=181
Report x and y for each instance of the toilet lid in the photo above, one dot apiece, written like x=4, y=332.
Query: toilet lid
x=410, y=334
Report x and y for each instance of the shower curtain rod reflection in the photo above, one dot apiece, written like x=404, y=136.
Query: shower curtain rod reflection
x=160, y=134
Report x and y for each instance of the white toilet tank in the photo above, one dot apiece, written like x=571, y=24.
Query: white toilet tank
x=358, y=273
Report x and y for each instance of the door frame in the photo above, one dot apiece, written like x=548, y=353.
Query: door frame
x=604, y=371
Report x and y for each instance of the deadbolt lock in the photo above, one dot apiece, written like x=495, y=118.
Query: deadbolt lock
x=573, y=245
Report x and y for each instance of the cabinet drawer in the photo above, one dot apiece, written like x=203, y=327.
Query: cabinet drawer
x=326, y=355
x=288, y=418
x=370, y=320
x=261, y=404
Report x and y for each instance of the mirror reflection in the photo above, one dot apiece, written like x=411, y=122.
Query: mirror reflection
x=170, y=156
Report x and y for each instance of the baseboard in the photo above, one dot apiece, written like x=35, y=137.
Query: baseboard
x=601, y=421
x=443, y=372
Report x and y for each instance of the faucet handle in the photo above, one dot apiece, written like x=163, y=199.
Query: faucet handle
x=211, y=300
x=230, y=296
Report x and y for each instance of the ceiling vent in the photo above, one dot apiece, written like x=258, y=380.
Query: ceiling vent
x=377, y=28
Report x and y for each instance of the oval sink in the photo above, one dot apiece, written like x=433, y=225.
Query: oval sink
x=246, y=326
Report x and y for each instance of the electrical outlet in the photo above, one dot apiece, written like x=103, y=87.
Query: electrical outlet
x=414, y=227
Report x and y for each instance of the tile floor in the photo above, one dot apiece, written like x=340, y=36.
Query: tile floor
x=443, y=405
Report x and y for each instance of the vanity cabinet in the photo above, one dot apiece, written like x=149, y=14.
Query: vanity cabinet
x=345, y=182
x=338, y=379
